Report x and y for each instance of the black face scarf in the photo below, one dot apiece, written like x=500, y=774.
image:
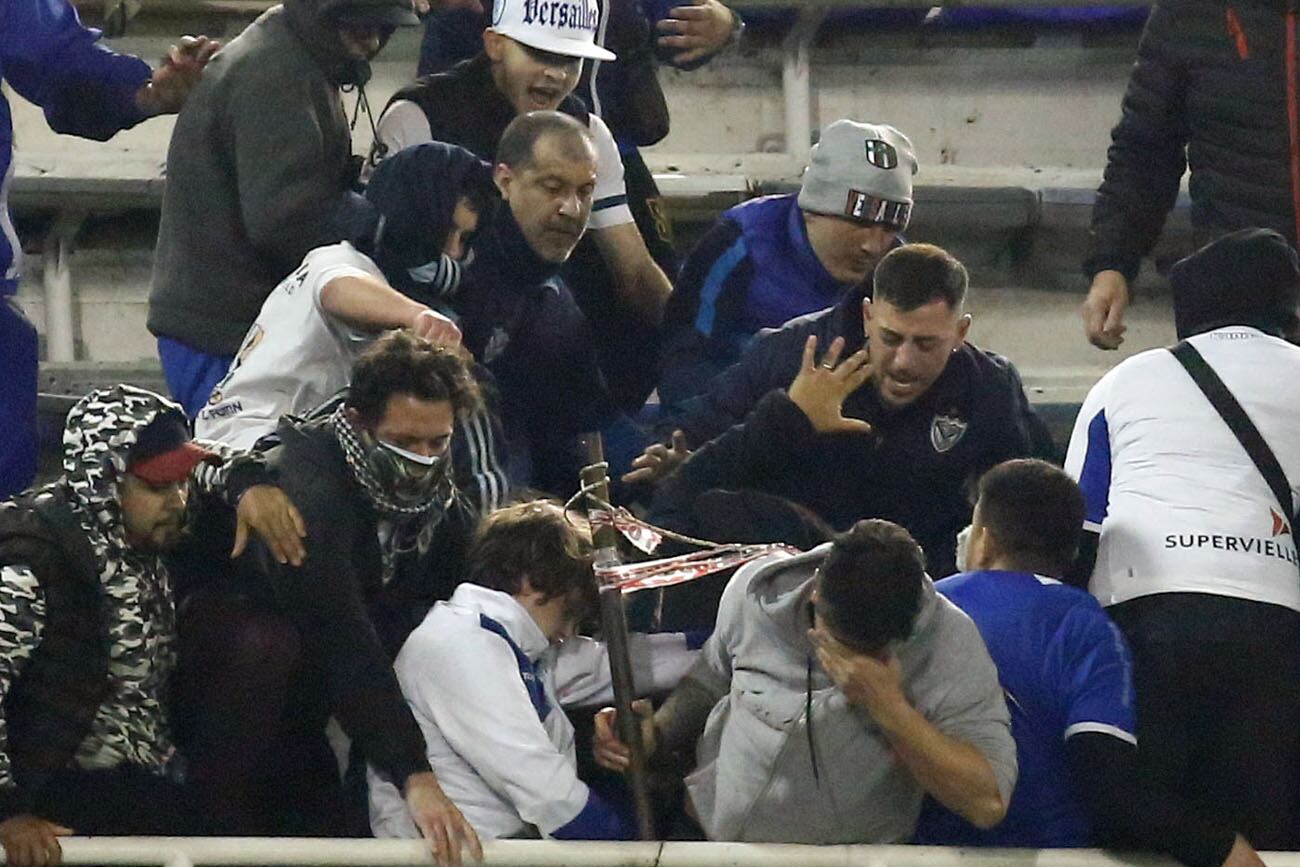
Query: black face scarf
x=414, y=193
x=1249, y=277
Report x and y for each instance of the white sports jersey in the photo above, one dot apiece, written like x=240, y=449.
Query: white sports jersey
x=1178, y=502
x=295, y=357
x=403, y=124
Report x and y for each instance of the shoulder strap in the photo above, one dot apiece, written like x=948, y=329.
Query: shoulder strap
x=1239, y=423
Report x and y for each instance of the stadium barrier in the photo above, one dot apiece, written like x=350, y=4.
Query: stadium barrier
x=334, y=852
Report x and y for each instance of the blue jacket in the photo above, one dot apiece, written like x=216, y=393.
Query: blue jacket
x=754, y=269
x=86, y=89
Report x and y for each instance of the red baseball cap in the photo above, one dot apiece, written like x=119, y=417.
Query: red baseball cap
x=164, y=454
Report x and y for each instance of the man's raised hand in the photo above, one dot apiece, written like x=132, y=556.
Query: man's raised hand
x=658, y=460
x=820, y=389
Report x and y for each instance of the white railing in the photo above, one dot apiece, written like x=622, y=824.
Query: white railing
x=317, y=852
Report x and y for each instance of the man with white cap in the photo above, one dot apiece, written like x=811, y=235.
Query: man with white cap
x=531, y=60
x=771, y=259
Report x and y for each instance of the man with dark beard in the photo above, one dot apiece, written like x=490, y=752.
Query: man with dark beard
x=88, y=621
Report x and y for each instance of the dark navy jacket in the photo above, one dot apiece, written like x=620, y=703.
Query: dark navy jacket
x=84, y=88
x=754, y=269
x=913, y=469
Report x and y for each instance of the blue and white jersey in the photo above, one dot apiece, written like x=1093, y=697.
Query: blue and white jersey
x=1065, y=669
x=481, y=679
x=1178, y=503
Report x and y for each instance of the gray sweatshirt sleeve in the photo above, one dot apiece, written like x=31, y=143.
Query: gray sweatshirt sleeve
x=971, y=707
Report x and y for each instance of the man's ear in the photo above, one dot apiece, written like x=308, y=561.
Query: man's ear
x=493, y=45
x=963, y=327
x=502, y=177
x=866, y=313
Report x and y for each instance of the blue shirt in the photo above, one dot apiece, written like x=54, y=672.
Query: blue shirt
x=84, y=88
x=754, y=269
x=1065, y=669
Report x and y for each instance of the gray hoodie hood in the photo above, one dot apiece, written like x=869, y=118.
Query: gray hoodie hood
x=757, y=739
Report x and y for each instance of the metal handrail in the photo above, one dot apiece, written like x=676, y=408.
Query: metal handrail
x=335, y=852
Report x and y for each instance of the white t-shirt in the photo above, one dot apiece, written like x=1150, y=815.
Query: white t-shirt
x=1178, y=502
x=294, y=358
x=403, y=124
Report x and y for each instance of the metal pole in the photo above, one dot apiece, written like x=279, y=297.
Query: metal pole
x=60, y=342
x=613, y=620
x=796, y=81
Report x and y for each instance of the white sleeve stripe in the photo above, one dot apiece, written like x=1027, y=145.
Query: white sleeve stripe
x=1101, y=729
x=1092, y=526
x=488, y=476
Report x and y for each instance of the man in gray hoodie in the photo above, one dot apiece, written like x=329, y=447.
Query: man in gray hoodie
x=259, y=172
x=837, y=689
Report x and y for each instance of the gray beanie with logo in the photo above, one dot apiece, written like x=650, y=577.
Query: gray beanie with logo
x=862, y=171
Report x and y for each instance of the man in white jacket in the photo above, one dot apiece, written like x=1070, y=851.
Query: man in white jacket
x=485, y=676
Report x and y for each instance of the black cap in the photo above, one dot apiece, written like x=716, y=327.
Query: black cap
x=377, y=13
x=1249, y=277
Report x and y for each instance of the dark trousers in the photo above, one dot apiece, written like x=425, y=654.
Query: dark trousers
x=1218, y=700
x=18, y=370
x=258, y=764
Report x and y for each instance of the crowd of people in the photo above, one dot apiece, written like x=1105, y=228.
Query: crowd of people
x=335, y=584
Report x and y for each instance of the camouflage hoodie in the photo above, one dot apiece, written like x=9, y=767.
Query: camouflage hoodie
x=137, y=611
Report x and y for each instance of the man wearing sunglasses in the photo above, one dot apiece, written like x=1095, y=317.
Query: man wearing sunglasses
x=771, y=259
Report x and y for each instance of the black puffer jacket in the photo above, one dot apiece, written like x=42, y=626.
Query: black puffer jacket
x=1211, y=91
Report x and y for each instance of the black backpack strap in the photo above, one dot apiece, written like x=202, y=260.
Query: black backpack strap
x=1239, y=423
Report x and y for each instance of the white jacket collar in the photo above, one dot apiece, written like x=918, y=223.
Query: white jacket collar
x=506, y=610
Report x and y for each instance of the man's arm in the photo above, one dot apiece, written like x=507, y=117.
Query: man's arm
x=671, y=733
x=693, y=31
x=85, y=88
x=780, y=427
x=22, y=622
x=368, y=304
x=1091, y=663
x=1144, y=165
x=242, y=482
x=638, y=279
x=711, y=290
x=954, y=772
x=28, y=840
x=401, y=125
x=1128, y=810
x=323, y=596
